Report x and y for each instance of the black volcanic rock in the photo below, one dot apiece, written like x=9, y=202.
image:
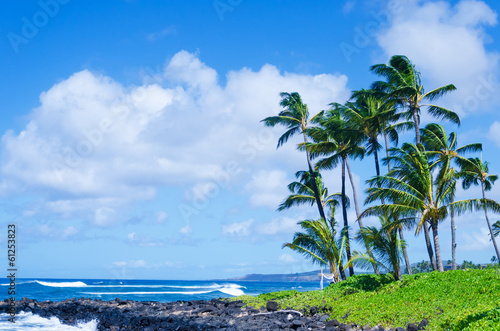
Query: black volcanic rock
x=216, y=314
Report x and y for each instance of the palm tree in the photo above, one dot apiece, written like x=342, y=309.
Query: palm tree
x=334, y=139
x=412, y=193
x=318, y=244
x=373, y=114
x=475, y=171
x=303, y=193
x=443, y=150
x=295, y=117
x=387, y=248
x=404, y=86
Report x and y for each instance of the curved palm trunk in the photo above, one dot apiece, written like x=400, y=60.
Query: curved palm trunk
x=360, y=221
x=400, y=230
x=315, y=187
x=344, y=214
x=453, y=241
x=436, y=246
x=489, y=225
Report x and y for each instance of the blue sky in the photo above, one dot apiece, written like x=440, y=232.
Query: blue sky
x=131, y=143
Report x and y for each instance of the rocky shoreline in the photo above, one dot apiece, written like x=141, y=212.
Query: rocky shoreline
x=216, y=314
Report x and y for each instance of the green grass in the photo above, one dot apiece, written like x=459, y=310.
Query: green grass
x=453, y=300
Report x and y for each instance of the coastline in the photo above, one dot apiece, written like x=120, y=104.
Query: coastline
x=216, y=314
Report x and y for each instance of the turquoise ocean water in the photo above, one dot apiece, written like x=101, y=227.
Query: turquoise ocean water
x=139, y=290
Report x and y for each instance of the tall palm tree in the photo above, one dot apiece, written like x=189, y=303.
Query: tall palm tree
x=295, y=117
x=387, y=248
x=404, y=86
x=374, y=114
x=371, y=116
x=338, y=142
x=475, y=171
x=443, y=150
x=412, y=193
x=303, y=193
x=318, y=244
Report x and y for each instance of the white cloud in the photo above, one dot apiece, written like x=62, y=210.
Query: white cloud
x=238, y=229
x=283, y=225
x=287, y=258
x=161, y=216
x=143, y=240
x=474, y=240
x=106, y=145
x=267, y=188
x=186, y=230
x=447, y=44
x=104, y=216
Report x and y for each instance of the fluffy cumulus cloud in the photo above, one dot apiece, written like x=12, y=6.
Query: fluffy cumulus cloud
x=447, y=42
x=102, y=145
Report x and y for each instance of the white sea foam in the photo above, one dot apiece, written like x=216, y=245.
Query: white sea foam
x=62, y=284
x=231, y=291
x=28, y=321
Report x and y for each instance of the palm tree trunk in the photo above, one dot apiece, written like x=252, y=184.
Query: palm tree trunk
x=453, y=241
x=360, y=221
x=429, y=247
x=315, y=187
x=387, y=152
x=489, y=225
x=405, y=253
x=375, y=155
x=400, y=230
x=417, y=124
x=344, y=214
x=426, y=231
x=436, y=246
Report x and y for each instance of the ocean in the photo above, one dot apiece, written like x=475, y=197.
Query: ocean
x=138, y=290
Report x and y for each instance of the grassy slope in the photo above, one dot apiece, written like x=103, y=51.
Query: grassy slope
x=454, y=300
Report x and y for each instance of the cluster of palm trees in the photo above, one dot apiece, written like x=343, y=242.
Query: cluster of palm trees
x=417, y=191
